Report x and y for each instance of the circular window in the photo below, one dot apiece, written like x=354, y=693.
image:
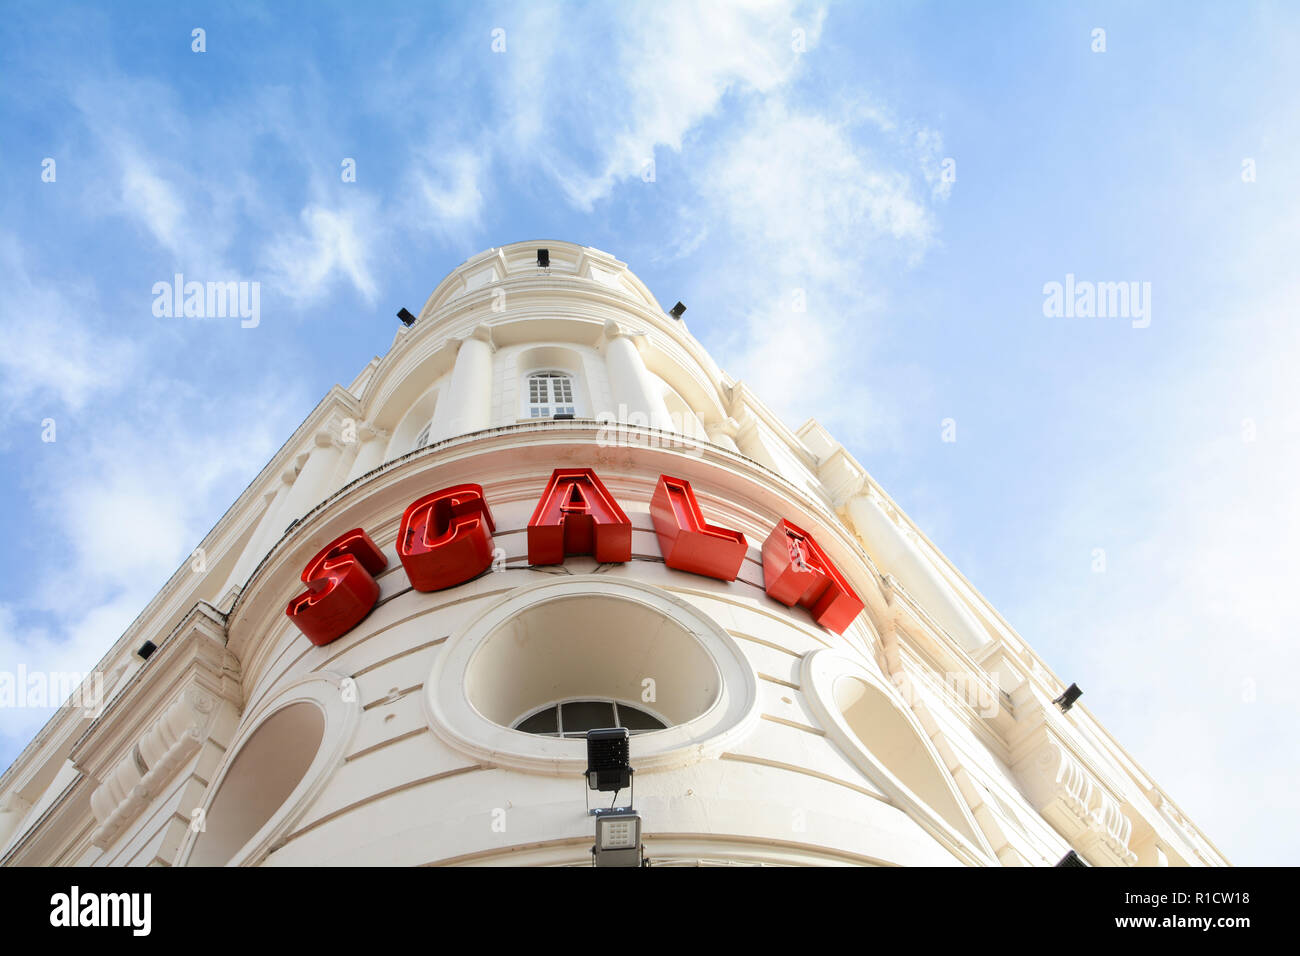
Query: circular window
x=525, y=680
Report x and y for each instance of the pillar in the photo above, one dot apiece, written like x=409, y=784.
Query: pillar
x=638, y=397
x=370, y=455
x=894, y=552
x=465, y=405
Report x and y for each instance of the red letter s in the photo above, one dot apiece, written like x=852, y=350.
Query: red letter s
x=341, y=588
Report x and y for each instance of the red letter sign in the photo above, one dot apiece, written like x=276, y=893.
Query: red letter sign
x=687, y=543
x=797, y=571
x=446, y=538
x=578, y=515
x=340, y=587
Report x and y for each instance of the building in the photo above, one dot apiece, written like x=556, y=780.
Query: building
x=849, y=698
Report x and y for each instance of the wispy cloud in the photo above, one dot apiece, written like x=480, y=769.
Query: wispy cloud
x=332, y=244
x=50, y=353
x=449, y=181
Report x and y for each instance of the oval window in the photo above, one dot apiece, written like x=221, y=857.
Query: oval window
x=267, y=769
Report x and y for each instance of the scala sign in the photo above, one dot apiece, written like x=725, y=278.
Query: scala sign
x=445, y=539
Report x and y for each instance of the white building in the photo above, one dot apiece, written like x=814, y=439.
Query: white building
x=924, y=734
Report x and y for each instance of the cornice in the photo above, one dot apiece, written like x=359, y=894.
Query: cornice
x=161, y=720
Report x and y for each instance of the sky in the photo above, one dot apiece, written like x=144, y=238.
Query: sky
x=863, y=206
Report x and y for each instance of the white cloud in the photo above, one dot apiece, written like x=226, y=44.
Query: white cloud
x=813, y=220
x=332, y=244
x=669, y=67
x=450, y=184
x=49, y=353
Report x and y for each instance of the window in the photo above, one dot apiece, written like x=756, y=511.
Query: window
x=573, y=718
x=550, y=393
x=266, y=770
x=504, y=688
x=422, y=439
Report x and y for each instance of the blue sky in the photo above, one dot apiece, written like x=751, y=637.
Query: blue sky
x=1170, y=447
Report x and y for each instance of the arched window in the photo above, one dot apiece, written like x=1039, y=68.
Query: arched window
x=422, y=439
x=267, y=769
x=573, y=718
x=550, y=394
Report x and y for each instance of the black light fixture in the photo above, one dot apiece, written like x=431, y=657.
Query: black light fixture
x=146, y=650
x=607, y=760
x=408, y=320
x=543, y=258
x=1071, y=859
x=677, y=310
x=1067, y=699
x=563, y=416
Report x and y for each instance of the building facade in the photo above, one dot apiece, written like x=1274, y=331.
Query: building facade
x=845, y=697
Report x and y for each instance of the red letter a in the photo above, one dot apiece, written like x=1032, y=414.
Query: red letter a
x=578, y=515
x=797, y=571
x=687, y=543
x=446, y=538
x=341, y=588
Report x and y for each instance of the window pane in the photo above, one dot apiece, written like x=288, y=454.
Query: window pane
x=634, y=719
x=582, y=715
x=542, y=722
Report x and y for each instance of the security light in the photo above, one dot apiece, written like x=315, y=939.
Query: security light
x=1067, y=699
x=1071, y=859
x=563, y=416
x=677, y=310
x=408, y=320
x=543, y=258
x=618, y=838
x=607, y=756
x=147, y=649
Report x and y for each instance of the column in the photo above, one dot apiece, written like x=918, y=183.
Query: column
x=371, y=453
x=894, y=552
x=638, y=397
x=257, y=542
x=312, y=483
x=722, y=434
x=465, y=405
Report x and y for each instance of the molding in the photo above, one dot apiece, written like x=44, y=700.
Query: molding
x=157, y=724
x=1069, y=797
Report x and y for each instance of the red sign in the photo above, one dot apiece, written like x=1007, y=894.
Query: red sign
x=445, y=539
x=341, y=588
x=578, y=515
x=686, y=542
x=797, y=571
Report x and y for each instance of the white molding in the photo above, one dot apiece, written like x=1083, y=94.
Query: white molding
x=456, y=721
